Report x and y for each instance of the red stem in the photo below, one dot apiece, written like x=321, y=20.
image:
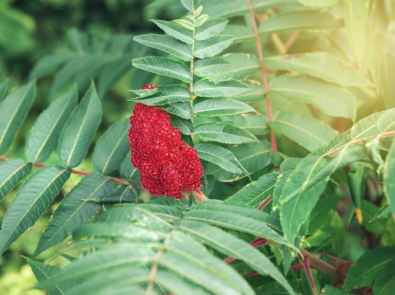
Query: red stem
x=306, y=265
x=265, y=202
x=264, y=77
x=75, y=171
x=291, y=40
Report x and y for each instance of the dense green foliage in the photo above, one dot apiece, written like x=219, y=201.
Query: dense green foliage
x=296, y=140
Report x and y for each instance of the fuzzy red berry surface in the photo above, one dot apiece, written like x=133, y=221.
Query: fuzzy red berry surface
x=166, y=163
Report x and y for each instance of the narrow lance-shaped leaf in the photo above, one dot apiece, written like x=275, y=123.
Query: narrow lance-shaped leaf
x=180, y=109
x=13, y=111
x=111, y=148
x=3, y=89
x=221, y=108
x=174, y=30
x=191, y=5
x=123, y=194
x=168, y=94
x=164, y=66
x=221, y=89
x=30, y=202
x=12, y=172
x=210, y=28
x=78, y=133
x=49, y=63
x=44, y=136
x=209, y=66
x=129, y=172
x=223, y=133
x=212, y=46
x=185, y=126
x=389, y=173
x=75, y=210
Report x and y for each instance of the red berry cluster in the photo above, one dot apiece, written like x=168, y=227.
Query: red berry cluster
x=167, y=164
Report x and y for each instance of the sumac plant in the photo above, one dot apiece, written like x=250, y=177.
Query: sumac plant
x=263, y=141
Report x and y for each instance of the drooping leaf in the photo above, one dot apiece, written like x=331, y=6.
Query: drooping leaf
x=210, y=28
x=168, y=94
x=221, y=89
x=389, y=172
x=164, y=66
x=129, y=172
x=321, y=65
x=78, y=133
x=363, y=272
x=30, y=202
x=166, y=44
x=13, y=111
x=12, y=172
x=300, y=20
x=44, y=136
x=3, y=89
x=185, y=126
x=175, y=30
x=74, y=210
x=306, y=131
x=212, y=46
x=223, y=133
x=112, y=148
x=180, y=109
x=221, y=108
x=209, y=66
x=330, y=99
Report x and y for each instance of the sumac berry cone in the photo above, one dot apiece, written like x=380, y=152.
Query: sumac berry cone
x=166, y=163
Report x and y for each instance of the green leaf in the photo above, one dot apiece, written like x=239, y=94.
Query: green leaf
x=168, y=94
x=382, y=213
x=306, y=131
x=13, y=111
x=142, y=93
x=239, y=67
x=209, y=66
x=43, y=272
x=223, y=133
x=201, y=19
x=219, y=156
x=385, y=280
x=30, y=202
x=321, y=65
x=300, y=20
x=180, y=109
x=49, y=63
x=123, y=194
x=12, y=172
x=330, y=99
x=369, y=210
x=74, y=210
x=363, y=272
x=322, y=3
x=210, y=28
x=78, y=40
x=256, y=92
x=166, y=44
x=44, y=136
x=129, y=172
x=185, y=126
x=111, y=148
x=174, y=30
x=212, y=46
x=241, y=33
x=78, y=133
x=3, y=89
x=230, y=245
x=190, y=5
x=255, y=192
x=222, y=89
x=255, y=124
x=112, y=73
x=386, y=122
x=389, y=172
x=329, y=290
x=185, y=23
x=163, y=66
x=219, y=107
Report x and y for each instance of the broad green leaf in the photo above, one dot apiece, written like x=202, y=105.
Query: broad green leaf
x=321, y=3
x=255, y=124
x=212, y=46
x=43, y=272
x=44, y=136
x=74, y=210
x=306, y=131
x=389, y=172
x=209, y=66
x=190, y=5
x=256, y=92
x=223, y=133
x=330, y=99
x=30, y=202
x=219, y=156
x=3, y=89
x=78, y=40
x=230, y=245
x=175, y=30
x=123, y=194
x=241, y=33
x=239, y=67
x=321, y=65
x=143, y=93
x=201, y=19
x=12, y=172
x=329, y=290
x=185, y=126
x=164, y=66
x=166, y=44
x=78, y=133
x=210, y=28
x=111, y=148
x=369, y=210
x=275, y=288
x=129, y=172
x=112, y=73
x=180, y=109
x=384, y=283
x=168, y=94
x=256, y=192
x=363, y=272
x=49, y=63
x=222, y=89
x=13, y=111
x=386, y=122
x=300, y=20
x=383, y=213
x=217, y=107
